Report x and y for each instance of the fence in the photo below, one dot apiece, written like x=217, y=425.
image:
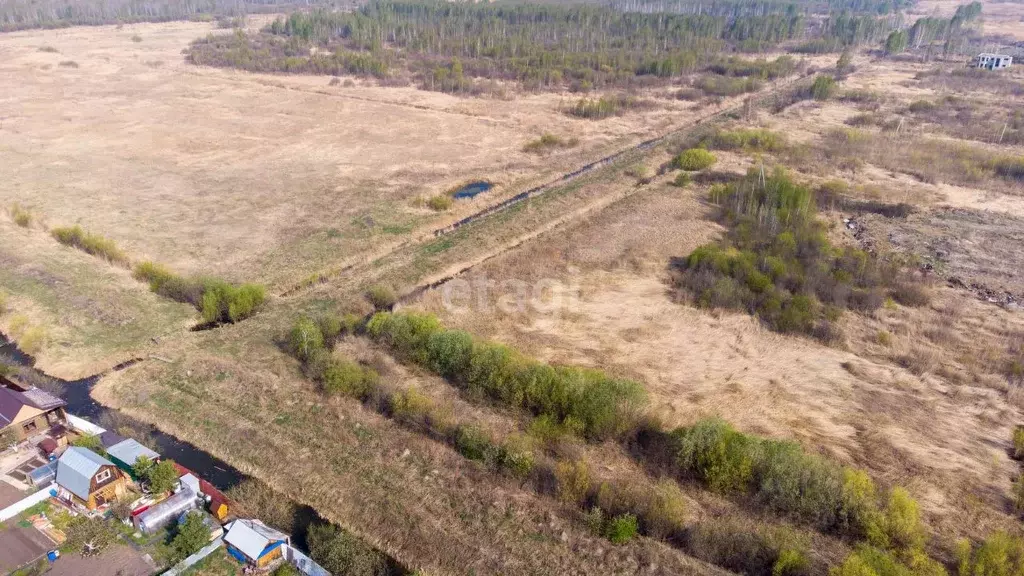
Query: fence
x=83, y=425
x=187, y=563
x=23, y=504
x=304, y=563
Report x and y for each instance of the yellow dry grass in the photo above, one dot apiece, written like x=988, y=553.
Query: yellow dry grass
x=263, y=178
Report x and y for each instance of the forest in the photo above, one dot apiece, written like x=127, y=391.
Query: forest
x=26, y=14
x=445, y=46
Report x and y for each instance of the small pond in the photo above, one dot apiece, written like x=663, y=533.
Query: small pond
x=472, y=189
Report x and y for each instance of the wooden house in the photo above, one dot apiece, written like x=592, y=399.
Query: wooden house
x=24, y=414
x=88, y=479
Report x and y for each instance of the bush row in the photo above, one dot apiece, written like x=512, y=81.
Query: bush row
x=602, y=107
x=807, y=488
x=312, y=341
x=217, y=300
x=755, y=139
x=598, y=405
x=623, y=509
x=94, y=244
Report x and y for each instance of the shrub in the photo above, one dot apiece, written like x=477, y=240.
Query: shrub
x=1018, y=442
x=33, y=340
x=694, y=159
x=17, y=325
x=93, y=244
x=899, y=527
x=725, y=86
x=823, y=88
x=602, y=107
x=472, y=443
x=746, y=549
x=781, y=476
x=594, y=519
x=573, y=481
x=381, y=297
x=858, y=512
x=777, y=263
x=758, y=139
x=664, y=513
x=3, y=303
x=547, y=141
x=68, y=64
x=136, y=38
x=222, y=302
x=339, y=552
x=21, y=216
x=998, y=555
x=1011, y=168
x=910, y=294
x=410, y=405
x=162, y=477
x=790, y=562
x=217, y=300
x=191, y=536
x=516, y=457
x=331, y=326
x=682, y=180
x=89, y=442
x=546, y=430
x=1017, y=492
x=440, y=202
x=348, y=378
x=621, y=529
x=716, y=454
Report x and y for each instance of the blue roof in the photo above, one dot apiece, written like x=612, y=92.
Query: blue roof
x=128, y=451
x=75, y=470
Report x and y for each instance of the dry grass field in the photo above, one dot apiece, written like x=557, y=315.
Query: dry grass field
x=255, y=177
x=269, y=179
x=926, y=405
x=273, y=179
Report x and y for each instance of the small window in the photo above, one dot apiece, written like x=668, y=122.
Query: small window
x=103, y=476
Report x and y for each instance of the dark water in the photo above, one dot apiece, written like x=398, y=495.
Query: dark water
x=472, y=189
x=76, y=393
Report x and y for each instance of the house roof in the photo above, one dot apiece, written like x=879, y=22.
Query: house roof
x=42, y=399
x=994, y=55
x=75, y=470
x=108, y=439
x=130, y=450
x=251, y=537
x=12, y=401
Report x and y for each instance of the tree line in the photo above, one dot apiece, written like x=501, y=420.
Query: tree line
x=447, y=46
x=952, y=33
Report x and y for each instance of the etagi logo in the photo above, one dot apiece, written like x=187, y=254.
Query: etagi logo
x=482, y=294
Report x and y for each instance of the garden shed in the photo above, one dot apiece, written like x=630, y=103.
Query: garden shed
x=126, y=452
